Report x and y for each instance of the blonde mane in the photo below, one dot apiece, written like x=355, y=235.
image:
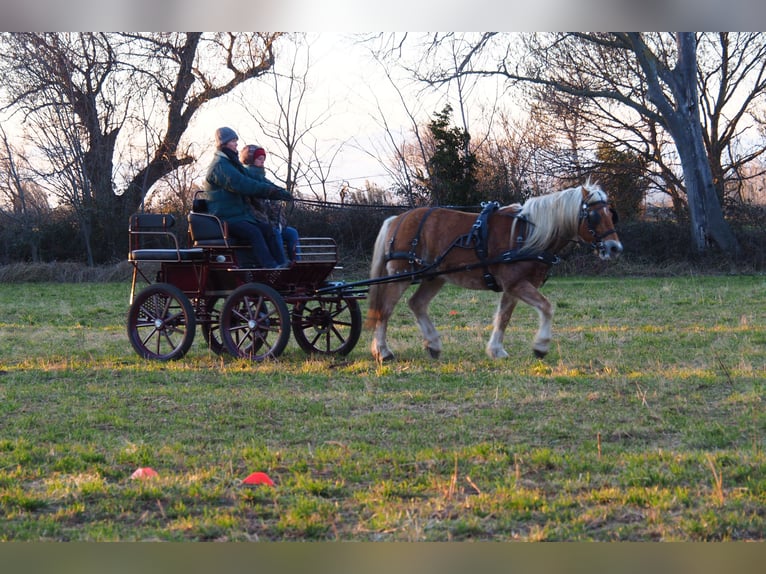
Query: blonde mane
x=555, y=216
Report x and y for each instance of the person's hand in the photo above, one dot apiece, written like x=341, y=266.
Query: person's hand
x=284, y=195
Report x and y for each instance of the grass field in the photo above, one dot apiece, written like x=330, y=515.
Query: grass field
x=646, y=422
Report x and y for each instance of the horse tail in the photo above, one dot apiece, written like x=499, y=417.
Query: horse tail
x=377, y=270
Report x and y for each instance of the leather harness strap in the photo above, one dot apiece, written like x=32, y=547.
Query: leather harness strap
x=478, y=236
x=477, y=239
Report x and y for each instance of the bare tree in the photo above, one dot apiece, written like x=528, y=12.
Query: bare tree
x=175, y=192
x=64, y=173
x=293, y=125
x=23, y=205
x=403, y=154
x=316, y=173
x=732, y=81
x=513, y=164
x=100, y=79
x=653, y=75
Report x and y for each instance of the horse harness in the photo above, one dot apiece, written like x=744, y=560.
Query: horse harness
x=477, y=239
x=590, y=213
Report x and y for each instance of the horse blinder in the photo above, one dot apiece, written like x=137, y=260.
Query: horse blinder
x=590, y=213
x=594, y=217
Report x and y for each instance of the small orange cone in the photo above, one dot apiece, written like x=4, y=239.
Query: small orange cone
x=144, y=472
x=258, y=478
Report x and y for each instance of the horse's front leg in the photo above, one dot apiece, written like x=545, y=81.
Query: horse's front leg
x=418, y=303
x=528, y=293
x=505, y=308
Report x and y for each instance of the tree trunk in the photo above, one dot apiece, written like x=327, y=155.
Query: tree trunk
x=683, y=122
x=705, y=212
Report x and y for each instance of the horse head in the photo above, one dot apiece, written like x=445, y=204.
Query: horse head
x=596, y=223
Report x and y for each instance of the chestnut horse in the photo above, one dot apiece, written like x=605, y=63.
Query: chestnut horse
x=508, y=249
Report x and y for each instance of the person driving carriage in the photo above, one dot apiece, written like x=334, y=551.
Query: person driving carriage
x=228, y=187
x=254, y=157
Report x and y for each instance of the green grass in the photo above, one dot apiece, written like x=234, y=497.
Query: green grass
x=645, y=422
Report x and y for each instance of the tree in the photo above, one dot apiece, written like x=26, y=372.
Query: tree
x=672, y=88
x=412, y=170
x=652, y=75
x=403, y=153
x=291, y=127
x=23, y=205
x=732, y=78
x=101, y=83
x=452, y=171
x=623, y=174
x=521, y=159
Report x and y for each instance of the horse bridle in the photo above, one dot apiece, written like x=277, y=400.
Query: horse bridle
x=590, y=213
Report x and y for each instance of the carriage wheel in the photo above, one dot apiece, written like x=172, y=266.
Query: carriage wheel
x=327, y=326
x=255, y=322
x=161, y=323
x=212, y=330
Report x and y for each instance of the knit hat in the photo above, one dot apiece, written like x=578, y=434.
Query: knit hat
x=225, y=135
x=248, y=154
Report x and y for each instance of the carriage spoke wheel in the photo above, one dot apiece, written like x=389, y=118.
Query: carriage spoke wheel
x=211, y=329
x=161, y=323
x=327, y=326
x=255, y=322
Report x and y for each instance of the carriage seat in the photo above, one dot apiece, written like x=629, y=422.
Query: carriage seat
x=168, y=255
x=207, y=230
x=151, y=239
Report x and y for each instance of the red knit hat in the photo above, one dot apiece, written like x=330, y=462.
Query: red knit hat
x=248, y=154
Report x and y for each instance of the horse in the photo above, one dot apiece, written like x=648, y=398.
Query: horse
x=508, y=249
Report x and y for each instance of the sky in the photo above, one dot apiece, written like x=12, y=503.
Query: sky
x=348, y=87
x=341, y=74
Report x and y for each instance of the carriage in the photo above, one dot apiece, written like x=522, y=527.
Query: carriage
x=508, y=249
x=248, y=313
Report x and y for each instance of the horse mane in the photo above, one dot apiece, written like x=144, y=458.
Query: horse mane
x=555, y=216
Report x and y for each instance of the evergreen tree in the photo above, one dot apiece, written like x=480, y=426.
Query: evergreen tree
x=452, y=165
x=622, y=175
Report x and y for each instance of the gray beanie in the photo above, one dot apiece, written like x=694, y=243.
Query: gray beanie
x=224, y=136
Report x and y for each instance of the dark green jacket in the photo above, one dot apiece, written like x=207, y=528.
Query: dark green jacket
x=228, y=186
x=270, y=210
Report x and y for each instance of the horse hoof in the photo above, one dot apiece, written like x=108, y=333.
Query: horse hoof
x=540, y=354
x=433, y=352
x=498, y=354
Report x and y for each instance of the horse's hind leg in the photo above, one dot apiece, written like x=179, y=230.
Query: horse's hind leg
x=378, y=315
x=505, y=308
x=418, y=303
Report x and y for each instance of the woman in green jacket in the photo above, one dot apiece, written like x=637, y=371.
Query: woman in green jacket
x=228, y=186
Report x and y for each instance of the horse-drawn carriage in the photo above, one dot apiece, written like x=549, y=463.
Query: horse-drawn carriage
x=247, y=313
